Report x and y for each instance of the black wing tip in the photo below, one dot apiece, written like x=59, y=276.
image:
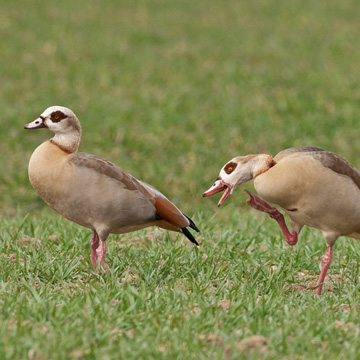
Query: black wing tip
x=188, y=234
x=192, y=224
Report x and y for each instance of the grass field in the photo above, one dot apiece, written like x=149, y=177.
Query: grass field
x=171, y=90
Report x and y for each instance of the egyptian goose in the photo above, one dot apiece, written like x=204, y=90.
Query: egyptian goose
x=312, y=186
x=93, y=192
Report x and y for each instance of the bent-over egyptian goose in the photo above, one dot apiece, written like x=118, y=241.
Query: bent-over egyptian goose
x=312, y=186
x=92, y=191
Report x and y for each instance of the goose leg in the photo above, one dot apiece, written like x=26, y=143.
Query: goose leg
x=325, y=263
x=94, y=245
x=98, y=249
x=261, y=205
x=100, y=252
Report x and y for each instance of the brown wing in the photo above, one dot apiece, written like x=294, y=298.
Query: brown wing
x=169, y=212
x=287, y=152
x=107, y=168
x=338, y=164
x=328, y=159
x=164, y=208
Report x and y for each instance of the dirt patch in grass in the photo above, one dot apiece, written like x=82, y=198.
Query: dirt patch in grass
x=212, y=339
x=255, y=343
x=346, y=327
x=225, y=304
x=11, y=257
x=309, y=283
x=298, y=287
x=129, y=239
x=195, y=309
x=130, y=277
x=347, y=308
x=28, y=241
x=55, y=238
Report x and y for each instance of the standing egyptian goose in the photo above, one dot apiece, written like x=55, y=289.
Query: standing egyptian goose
x=93, y=192
x=312, y=186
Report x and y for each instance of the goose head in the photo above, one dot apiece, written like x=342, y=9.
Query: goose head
x=64, y=123
x=237, y=171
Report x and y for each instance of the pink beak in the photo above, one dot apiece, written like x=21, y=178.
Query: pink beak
x=36, y=124
x=219, y=186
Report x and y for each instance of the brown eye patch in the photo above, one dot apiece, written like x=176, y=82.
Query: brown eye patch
x=57, y=116
x=230, y=167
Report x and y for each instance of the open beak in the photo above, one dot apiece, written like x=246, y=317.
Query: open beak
x=36, y=124
x=219, y=186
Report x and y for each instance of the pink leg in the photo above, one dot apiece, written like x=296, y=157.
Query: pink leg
x=94, y=245
x=100, y=252
x=326, y=260
x=261, y=205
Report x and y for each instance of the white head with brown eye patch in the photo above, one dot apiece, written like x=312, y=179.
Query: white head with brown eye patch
x=64, y=123
x=60, y=119
x=237, y=171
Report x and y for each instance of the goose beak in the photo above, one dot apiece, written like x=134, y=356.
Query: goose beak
x=36, y=124
x=219, y=186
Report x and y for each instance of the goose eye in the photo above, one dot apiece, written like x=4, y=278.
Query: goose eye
x=57, y=116
x=230, y=167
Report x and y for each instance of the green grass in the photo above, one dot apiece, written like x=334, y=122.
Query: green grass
x=170, y=91
x=163, y=298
